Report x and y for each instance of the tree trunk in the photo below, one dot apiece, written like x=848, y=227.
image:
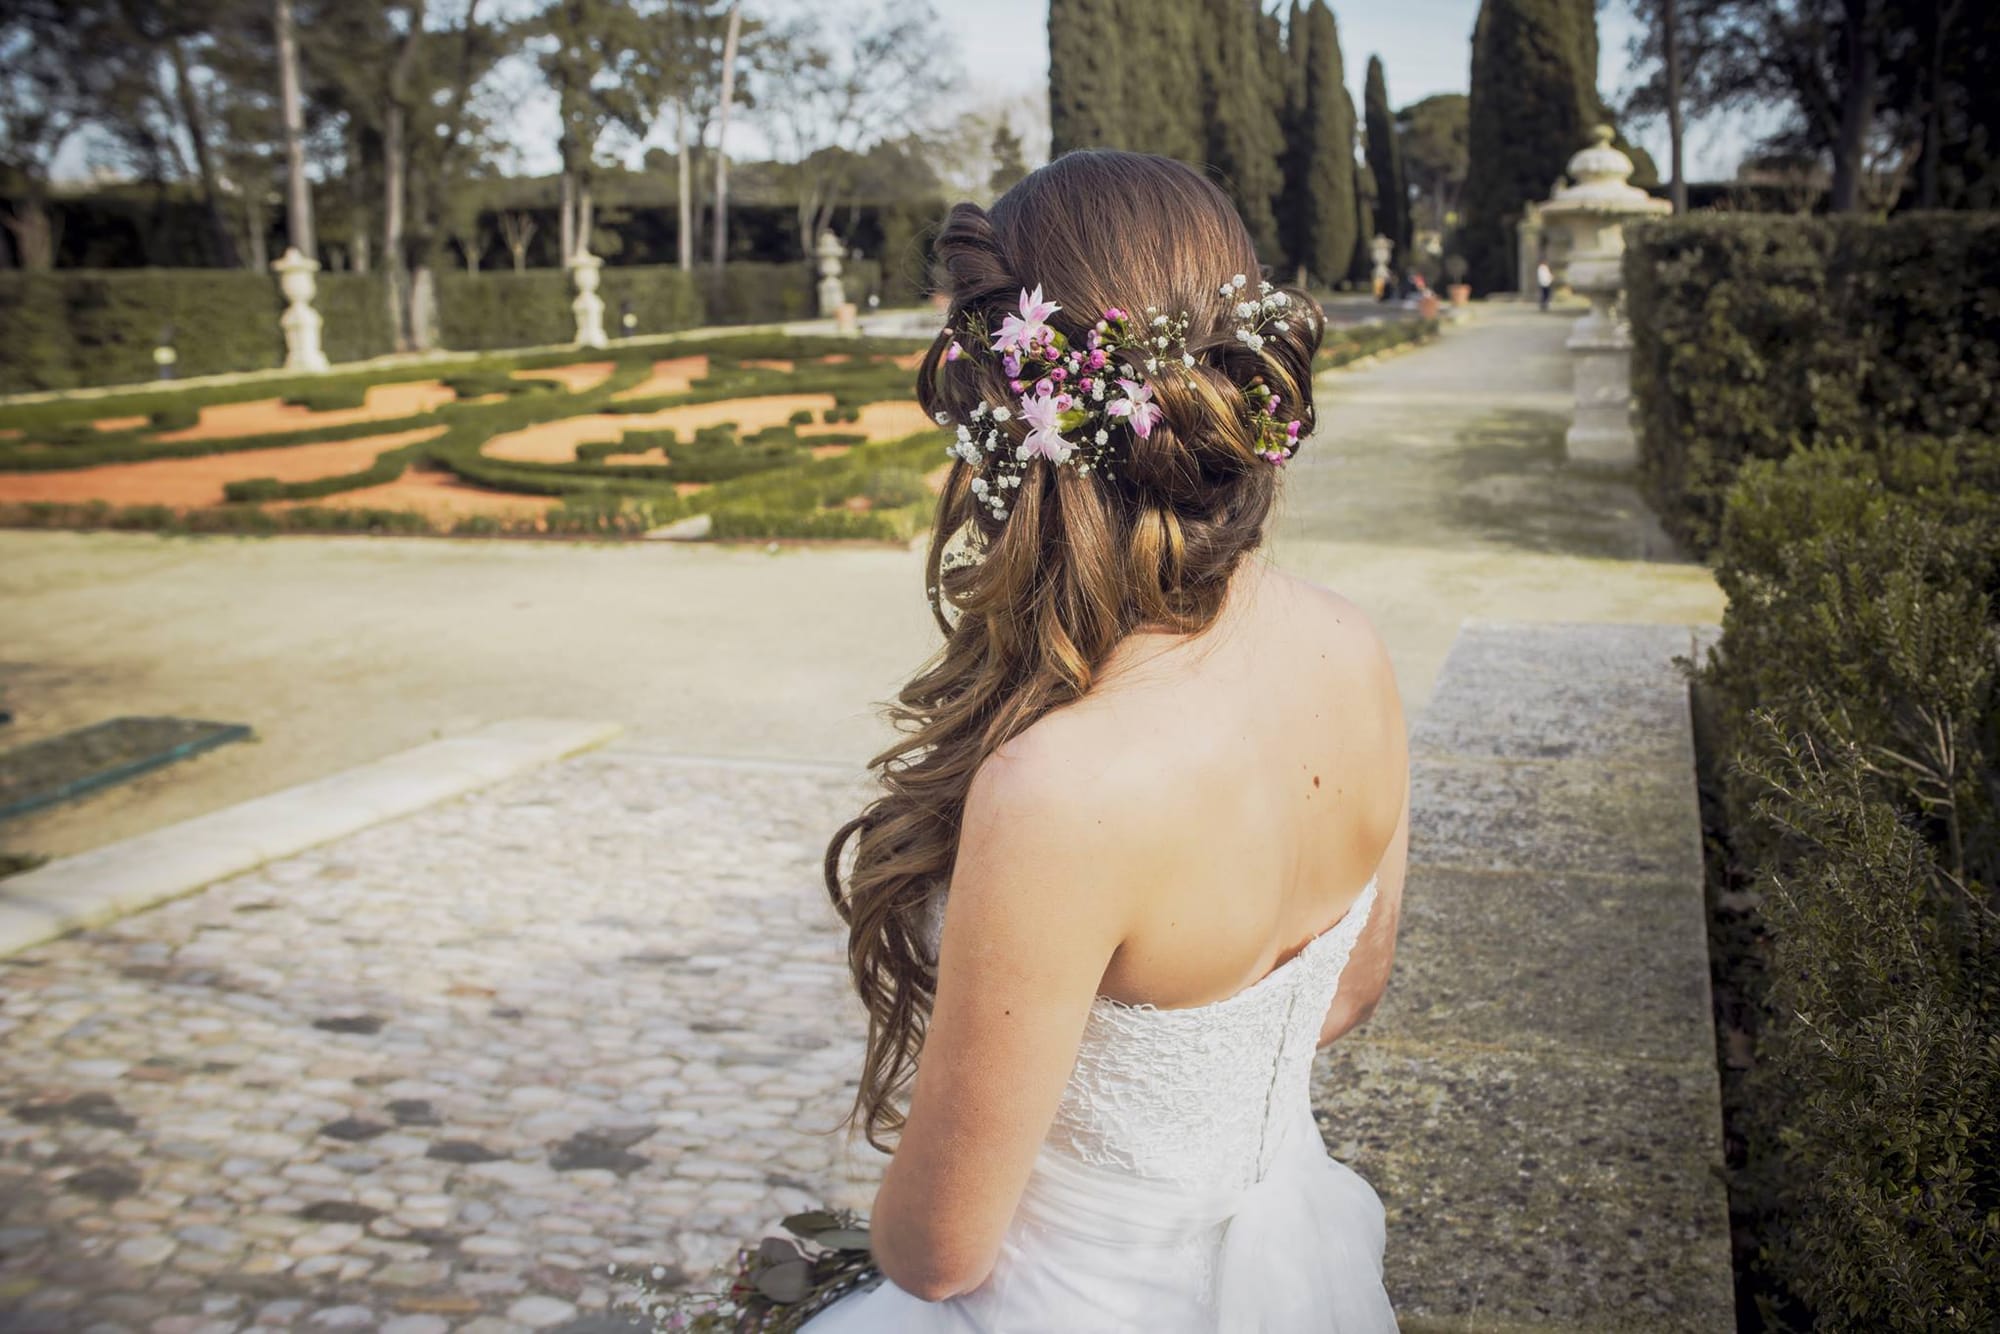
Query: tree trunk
x=685, y=197
x=566, y=218
x=298, y=193
x=255, y=232
x=423, y=308
x=720, y=240
x=392, y=225
x=1941, y=16
x=586, y=218
x=1857, y=105
x=33, y=229
x=1670, y=41
x=197, y=128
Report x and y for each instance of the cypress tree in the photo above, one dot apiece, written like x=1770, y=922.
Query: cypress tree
x=1361, y=264
x=1243, y=142
x=1292, y=207
x=1156, y=48
x=1323, y=152
x=1087, y=63
x=1385, y=160
x=1533, y=102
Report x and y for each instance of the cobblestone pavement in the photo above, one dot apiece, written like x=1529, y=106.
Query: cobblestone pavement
x=441, y=1073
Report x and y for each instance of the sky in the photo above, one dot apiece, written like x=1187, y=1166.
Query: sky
x=1425, y=45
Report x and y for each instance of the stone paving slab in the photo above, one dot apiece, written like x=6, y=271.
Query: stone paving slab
x=1627, y=978
x=104, y=883
x=443, y=1070
x=1577, y=816
x=1536, y=1190
x=1537, y=1101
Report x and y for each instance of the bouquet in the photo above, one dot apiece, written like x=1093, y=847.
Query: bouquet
x=777, y=1285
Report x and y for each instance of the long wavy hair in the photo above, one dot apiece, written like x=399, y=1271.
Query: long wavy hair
x=1031, y=606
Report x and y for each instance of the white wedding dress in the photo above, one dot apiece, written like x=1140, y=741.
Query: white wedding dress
x=1183, y=1187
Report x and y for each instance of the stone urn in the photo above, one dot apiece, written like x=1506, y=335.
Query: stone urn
x=584, y=271
x=1590, y=215
x=300, y=321
x=832, y=292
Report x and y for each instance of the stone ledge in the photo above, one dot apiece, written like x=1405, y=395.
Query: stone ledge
x=105, y=883
x=1536, y=1101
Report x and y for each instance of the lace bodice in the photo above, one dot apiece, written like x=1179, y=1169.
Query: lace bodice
x=1201, y=1096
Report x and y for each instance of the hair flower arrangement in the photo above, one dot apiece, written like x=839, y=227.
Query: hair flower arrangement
x=1070, y=397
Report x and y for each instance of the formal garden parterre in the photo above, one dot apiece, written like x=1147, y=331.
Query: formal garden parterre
x=766, y=435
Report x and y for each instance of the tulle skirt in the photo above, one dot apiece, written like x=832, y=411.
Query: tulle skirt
x=1097, y=1250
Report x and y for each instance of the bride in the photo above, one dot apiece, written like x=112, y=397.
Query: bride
x=1165, y=783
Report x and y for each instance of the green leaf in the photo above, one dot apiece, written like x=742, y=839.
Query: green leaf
x=805, y=1224
x=842, y=1239
x=787, y=1282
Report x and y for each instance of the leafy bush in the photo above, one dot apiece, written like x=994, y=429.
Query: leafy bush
x=355, y=323
x=1342, y=344
x=1858, y=684
x=761, y=294
x=1754, y=336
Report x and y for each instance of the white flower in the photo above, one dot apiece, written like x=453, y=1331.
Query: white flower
x=1264, y=287
x=978, y=410
x=979, y=486
x=1152, y=365
x=1226, y=290
x=1187, y=359
x=1281, y=326
x=1158, y=319
x=1103, y=436
x=964, y=431
x=1001, y=414
x=1238, y=281
x=943, y=419
x=1245, y=310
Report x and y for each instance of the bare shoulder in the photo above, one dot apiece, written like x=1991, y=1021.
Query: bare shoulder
x=1339, y=629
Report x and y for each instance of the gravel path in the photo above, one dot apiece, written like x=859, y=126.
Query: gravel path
x=441, y=1073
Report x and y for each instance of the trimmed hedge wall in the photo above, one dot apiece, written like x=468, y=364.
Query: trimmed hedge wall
x=81, y=327
x=1855, y=696
x=78, y=327
x=1754, y=336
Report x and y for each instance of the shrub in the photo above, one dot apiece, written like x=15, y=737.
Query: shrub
x=504, y=309
x=1858, y=684
x=1753, y=336
x=761, y=294
x=332, y=398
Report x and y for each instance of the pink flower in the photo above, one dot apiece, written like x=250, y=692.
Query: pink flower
x=1137, y=407
x=1042, y=413
x=1010, y=364
x=1030, y=326
x=953, y=352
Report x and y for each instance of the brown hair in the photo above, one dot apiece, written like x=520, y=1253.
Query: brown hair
x=1081, y=560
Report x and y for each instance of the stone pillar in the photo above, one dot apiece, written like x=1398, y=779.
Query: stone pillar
x=832, y=292
x=1590, y=215
x=300, y=321
x=1379, y=251
x=1528, y=251
x=588, y=306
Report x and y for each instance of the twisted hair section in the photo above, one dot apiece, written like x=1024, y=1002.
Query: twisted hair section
x=1032, y=614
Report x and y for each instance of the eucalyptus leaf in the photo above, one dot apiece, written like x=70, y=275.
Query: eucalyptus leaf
x=776, y=1251
x=842, y=1238
x=805, y=1224
x=787, y=1282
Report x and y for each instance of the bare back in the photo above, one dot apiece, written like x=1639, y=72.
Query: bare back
x=1273, y=750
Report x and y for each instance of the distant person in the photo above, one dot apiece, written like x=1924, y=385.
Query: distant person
x=1545, y=278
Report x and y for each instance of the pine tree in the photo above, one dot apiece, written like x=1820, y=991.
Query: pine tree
x=1008, y=164
x=1087, y=64
x=1243, y=142
x=1322, y=152
x=1385, y=160
x=1533, y=102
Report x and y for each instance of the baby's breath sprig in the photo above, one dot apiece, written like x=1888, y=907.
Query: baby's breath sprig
x=1071, y=398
